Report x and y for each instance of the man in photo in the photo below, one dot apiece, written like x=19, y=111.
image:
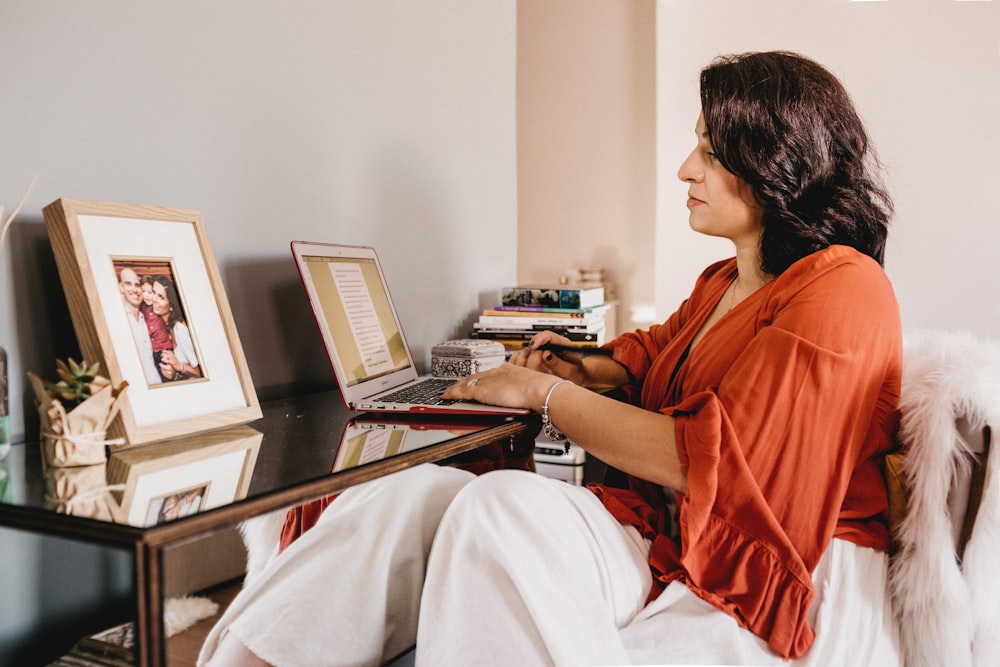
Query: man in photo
x=131, y=290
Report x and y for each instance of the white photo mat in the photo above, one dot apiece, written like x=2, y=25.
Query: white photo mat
x=108, y=237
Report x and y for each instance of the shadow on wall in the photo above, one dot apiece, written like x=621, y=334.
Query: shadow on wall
x=44, y=327
x=277, y=329
x=414, y=227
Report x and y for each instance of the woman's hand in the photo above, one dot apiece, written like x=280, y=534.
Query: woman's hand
x=509, y=385
x=566, y=365
x=170, y=365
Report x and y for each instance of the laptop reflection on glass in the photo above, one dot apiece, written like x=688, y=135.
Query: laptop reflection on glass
x=367, y=439
x=363, y=338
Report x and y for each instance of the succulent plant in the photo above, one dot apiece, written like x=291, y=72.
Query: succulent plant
x=75, y=379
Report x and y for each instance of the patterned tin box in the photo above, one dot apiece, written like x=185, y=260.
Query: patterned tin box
x=458, y=358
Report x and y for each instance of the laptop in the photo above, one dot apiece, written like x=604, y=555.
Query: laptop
x=363, y=338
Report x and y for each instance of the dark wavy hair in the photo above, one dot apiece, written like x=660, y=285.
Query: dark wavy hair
x=176, y=313
x=786, y=126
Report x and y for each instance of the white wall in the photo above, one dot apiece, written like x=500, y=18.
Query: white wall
x=383, y=122
x=925, y=75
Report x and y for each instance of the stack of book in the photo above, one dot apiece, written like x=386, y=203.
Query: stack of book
x=576, y=312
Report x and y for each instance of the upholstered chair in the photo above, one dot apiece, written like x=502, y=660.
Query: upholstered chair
x=945, y=569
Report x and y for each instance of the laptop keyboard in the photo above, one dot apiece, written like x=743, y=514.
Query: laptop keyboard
x=425, y=392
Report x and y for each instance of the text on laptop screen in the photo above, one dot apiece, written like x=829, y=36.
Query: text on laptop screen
x=350, y=290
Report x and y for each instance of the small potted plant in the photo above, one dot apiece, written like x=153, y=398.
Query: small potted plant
x=75, y=413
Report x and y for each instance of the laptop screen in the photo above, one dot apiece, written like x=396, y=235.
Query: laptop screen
x=357, y=315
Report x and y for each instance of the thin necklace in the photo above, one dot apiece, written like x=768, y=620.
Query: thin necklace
x=732, y=292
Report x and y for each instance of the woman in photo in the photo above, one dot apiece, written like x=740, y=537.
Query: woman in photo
x=181, y=362
x=743, y=520
x=159, y=335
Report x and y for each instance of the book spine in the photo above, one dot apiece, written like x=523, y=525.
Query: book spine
x=538, y=324
x=542, y=309
x=554, y=297
x=534, y=311
x=514, y=345
x=527, y=335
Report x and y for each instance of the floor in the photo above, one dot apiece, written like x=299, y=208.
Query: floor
x=183, y=648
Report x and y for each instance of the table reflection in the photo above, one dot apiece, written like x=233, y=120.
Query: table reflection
x=296, y=452
x=152, y=484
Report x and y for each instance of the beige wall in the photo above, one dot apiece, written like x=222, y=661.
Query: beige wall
x=586, y=144
x=926, y=79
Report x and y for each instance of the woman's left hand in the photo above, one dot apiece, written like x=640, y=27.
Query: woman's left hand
x=508, y=385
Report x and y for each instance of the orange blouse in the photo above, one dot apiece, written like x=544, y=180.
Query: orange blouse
x=785, y=410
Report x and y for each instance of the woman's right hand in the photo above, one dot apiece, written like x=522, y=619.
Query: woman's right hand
x=566, y=365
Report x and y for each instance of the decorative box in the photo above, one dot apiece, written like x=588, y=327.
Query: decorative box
x=458, y=358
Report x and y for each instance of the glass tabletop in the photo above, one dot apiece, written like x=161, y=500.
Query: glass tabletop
x=298, y=440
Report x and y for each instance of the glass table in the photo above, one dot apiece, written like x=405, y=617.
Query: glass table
x=148, y=498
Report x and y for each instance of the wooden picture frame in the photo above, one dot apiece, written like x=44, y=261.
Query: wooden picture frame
x=166, y=481
x=93, y=243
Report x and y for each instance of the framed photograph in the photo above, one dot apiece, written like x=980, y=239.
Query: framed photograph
x=147, y=301
x=171, y=480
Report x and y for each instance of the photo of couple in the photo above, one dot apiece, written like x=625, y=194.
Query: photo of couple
x=155, y=313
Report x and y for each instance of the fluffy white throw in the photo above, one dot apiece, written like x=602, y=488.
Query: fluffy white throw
x=179, y=614
x=948, y=611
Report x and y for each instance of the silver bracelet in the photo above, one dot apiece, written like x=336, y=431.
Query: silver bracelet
x=550, y=431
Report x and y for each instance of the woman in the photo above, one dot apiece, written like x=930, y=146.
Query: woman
x=762, y=410
x=181, y=362
x=159, y=334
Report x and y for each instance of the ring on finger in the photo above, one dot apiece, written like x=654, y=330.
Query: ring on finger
x=472, y=382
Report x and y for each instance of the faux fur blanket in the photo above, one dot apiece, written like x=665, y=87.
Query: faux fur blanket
x=948, y=609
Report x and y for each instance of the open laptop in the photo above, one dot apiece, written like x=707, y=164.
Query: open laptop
x=363, y=338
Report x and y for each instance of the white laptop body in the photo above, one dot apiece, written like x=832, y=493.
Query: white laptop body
x=361, y=331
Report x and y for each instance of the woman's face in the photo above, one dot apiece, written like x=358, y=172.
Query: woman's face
x=161, y=304
x=721, y=203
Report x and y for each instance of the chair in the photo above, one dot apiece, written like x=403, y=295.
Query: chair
x=946, y=532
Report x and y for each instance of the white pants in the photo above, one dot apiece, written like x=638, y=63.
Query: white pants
x=512, y=568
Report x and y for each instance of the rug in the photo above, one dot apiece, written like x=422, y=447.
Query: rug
x=113, y=647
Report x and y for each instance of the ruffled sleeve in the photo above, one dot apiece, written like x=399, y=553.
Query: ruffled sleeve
x=736, y=555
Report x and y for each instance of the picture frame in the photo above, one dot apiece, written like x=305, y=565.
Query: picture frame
x=197, y=381
x=165, y=481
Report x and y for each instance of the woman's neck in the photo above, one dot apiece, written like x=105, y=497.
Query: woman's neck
x=750, y=277
x=748, y=266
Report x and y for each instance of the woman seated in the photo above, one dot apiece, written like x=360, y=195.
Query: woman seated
x=745, y=519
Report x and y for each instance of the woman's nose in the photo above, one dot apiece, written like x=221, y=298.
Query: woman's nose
x=689, y=169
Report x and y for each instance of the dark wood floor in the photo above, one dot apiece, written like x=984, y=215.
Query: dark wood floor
x=183, y=648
